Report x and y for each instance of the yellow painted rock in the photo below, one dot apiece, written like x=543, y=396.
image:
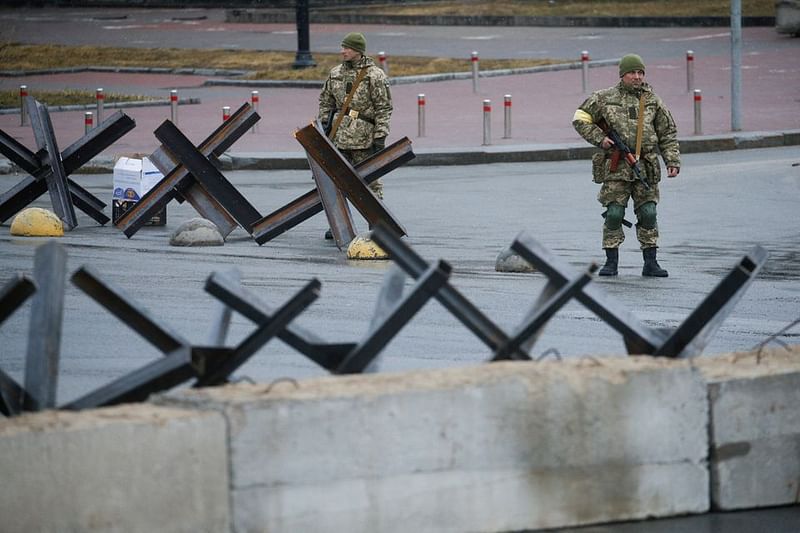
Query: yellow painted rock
x=37, y=222
x=363, y=247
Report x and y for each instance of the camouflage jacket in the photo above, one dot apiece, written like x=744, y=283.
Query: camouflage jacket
x=372, y=100
x=619, y=105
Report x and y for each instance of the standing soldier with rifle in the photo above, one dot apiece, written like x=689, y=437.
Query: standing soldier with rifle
x=632, y=126
x=355, y=105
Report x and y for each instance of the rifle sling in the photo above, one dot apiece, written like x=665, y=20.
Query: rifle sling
x=640, y=127
x=346, y=106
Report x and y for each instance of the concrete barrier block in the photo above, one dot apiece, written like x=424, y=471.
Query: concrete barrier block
x=502, y=446
x=755, y=428
x=128, y=468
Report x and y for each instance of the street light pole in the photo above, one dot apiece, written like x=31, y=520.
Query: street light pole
x=303, y=58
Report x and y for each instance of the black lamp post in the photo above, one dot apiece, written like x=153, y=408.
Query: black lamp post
x=303, y=58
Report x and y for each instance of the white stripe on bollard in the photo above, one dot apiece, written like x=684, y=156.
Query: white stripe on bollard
x=487, y=122
x=689, y=71
x=507, y=116
x=420, y=115
x=173, y=106
x=698, y=117
x=474, y=60
x=100, y=97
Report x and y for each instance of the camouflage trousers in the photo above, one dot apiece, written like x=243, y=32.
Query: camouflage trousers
x=618, y=192
x=357, y=156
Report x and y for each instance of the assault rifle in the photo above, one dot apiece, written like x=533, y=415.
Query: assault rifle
x=622, y=149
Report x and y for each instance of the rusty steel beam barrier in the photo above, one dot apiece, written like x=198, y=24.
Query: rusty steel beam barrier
x=688, y=339
x=550, y=301
x=455, y=302
x=72, y=158
x=56, y=179
x=179, y=183
x=392, y=312
x=309, y=204
x=228, y=290
x=209, y=365
x=44, y=332
x=12, y=295
x=639, y=338
x=695, y=332
x=334, y=202
x=220, y=371
x=517, y=346
x=212, y=180
x=338, y=169
x=121, y=306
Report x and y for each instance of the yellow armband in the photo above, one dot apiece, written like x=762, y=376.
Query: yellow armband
x=582, y=116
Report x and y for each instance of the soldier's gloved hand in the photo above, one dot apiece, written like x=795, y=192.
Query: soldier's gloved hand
x=378, y=144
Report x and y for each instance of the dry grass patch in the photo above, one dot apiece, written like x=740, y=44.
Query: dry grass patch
x=10, y=99
x=265, y=65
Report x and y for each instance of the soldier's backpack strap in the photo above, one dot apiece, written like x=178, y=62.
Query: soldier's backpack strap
x=640, y=127
x=346, y=106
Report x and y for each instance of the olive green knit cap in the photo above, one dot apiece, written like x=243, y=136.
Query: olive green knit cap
x=630, y=63
x=355, y=41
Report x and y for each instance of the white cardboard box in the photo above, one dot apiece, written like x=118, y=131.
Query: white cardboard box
x=132, y=178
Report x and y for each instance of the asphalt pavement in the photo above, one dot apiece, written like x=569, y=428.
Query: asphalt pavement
x=709, y=217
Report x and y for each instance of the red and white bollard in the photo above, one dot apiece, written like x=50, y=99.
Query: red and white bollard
x=173, y=106
x=698, y=117
x=100, y=97
x=474, y=60
x=420, y=115
x=585, y=69
x=487, y=122
x=88, y=122
x=382, y=62
x=689, y=71
x=254, y=99
x=23, y=107
x=507, y=116
x=226, y=113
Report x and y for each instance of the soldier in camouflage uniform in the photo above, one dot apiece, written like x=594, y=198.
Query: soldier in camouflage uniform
x=365, y=126
x=620, y=106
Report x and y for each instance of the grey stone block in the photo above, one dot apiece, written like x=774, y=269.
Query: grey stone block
x=128, y=468
x=755, y=429
x=498, y=447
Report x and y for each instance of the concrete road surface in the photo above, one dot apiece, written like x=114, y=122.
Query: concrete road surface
x=710, y=216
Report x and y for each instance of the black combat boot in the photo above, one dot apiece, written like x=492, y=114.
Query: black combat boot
x=328, y=235
x=612, y=259
x=651, y=266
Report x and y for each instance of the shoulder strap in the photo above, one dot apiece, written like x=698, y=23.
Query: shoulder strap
x=346, y=106
x=640, y=127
